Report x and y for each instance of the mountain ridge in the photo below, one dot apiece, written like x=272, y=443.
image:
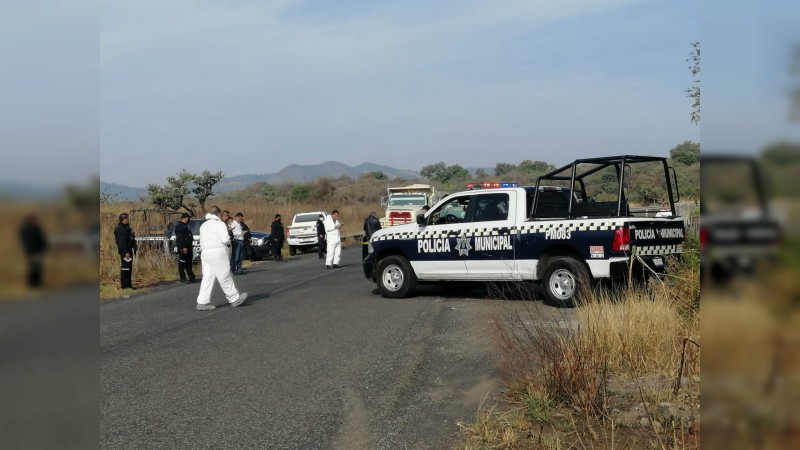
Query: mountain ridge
x=293, y=173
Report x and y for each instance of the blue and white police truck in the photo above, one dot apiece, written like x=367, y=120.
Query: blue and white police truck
x=574, y=227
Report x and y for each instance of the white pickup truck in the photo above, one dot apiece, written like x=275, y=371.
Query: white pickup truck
x=302, y=233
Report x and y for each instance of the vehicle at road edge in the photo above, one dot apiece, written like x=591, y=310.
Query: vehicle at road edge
x=554, y=233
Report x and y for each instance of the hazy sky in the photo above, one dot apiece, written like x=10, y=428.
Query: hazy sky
x=250, y=87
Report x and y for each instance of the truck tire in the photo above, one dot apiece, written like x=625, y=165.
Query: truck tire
x=566, y=281
x=396, y=278
x=292, y=250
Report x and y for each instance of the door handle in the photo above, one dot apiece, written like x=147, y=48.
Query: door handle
x=452, y=233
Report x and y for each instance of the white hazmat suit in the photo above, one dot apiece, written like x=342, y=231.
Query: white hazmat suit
x=334, y=241
x=215, y=255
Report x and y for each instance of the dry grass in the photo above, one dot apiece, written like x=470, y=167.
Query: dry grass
x=65, y=264
x=152, y=266
x=569, y=373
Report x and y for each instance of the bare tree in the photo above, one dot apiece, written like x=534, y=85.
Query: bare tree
x=693, y=91
x=204, y=186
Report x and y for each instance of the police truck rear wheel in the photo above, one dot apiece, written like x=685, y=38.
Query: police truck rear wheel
x=565, y=281
x=396, y=278
x=292, y=250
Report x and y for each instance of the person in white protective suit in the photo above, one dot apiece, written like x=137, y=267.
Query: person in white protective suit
x=332, y=227
x=215, y=255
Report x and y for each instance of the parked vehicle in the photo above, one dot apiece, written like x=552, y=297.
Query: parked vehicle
x=302, y=233
x=554, y=233
x=404, y=203
x=738, y=232
x=260, y=245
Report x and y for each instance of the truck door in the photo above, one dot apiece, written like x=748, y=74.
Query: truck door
x=442, y=246
x=490, y=233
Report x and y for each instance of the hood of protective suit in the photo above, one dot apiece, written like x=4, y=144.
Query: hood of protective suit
x=212, y=217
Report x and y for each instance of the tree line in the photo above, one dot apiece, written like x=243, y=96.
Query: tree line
x=191, y=192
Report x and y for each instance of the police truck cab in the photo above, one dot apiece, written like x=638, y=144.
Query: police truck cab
x=575, y=226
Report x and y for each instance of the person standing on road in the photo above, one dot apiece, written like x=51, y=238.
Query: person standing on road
x=277, y=235
x=371, y=225
x=126, y=246
x=34, y=243
x=247, y=250
x=334, y=237
x=215, y=256
x=238, y=244
x=184, y=241
x=322, y=245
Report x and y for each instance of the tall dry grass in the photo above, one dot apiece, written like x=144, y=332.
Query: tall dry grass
x=569, y=370
x=152, y=266
x=66, y=263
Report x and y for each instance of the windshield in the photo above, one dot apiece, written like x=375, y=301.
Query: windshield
x=306, y=217
x=407, y=200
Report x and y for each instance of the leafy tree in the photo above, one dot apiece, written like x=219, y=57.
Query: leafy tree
x=172, y=195
x=204, y=186
x=300, y=193
x=504, y=168
x=538, y=167
x=378, y=175
x=270, y=193
x=433, y=171
x=686, y=153
x=782, y=153
x=443, y=173
x=323, y=188
x=480, y=173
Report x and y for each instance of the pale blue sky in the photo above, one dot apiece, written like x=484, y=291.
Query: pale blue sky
x=139, y=90
x=250, y=87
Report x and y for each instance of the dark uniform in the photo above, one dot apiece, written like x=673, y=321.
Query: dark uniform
x=371, y=225
x=35, y=243
x=277, y=235
x=184, y=241
x=322, y=245
x=247, y=249
x=126, y=244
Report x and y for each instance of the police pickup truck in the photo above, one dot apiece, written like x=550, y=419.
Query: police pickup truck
x=554, y=233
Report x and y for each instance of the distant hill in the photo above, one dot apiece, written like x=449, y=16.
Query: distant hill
x=20, y=191
x=119, y=192
x=294, y=173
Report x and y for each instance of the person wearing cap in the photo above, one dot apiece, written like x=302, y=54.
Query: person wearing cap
x=371, y=225
x=215, y=255
x=184, y=241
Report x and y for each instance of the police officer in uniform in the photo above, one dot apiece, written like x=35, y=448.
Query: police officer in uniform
x=322, y=245
x=126, y=246
x=277, y=234
x=371, y=225
x=184, y=241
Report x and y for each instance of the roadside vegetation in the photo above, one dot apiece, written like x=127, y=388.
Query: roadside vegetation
x=68, y=223
x=354, y=198
x=621, y=371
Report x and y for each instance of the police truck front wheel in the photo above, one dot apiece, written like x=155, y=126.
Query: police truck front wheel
x=396, y=278
x=565, y=281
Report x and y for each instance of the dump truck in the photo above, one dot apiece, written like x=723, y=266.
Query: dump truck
x=404, y=203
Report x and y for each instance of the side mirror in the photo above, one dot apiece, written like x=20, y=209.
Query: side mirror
x=421, y=220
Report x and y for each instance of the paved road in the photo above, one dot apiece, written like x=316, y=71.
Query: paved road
x=317, y=359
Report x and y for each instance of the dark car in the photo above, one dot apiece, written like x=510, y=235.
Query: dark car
x=260, y=245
